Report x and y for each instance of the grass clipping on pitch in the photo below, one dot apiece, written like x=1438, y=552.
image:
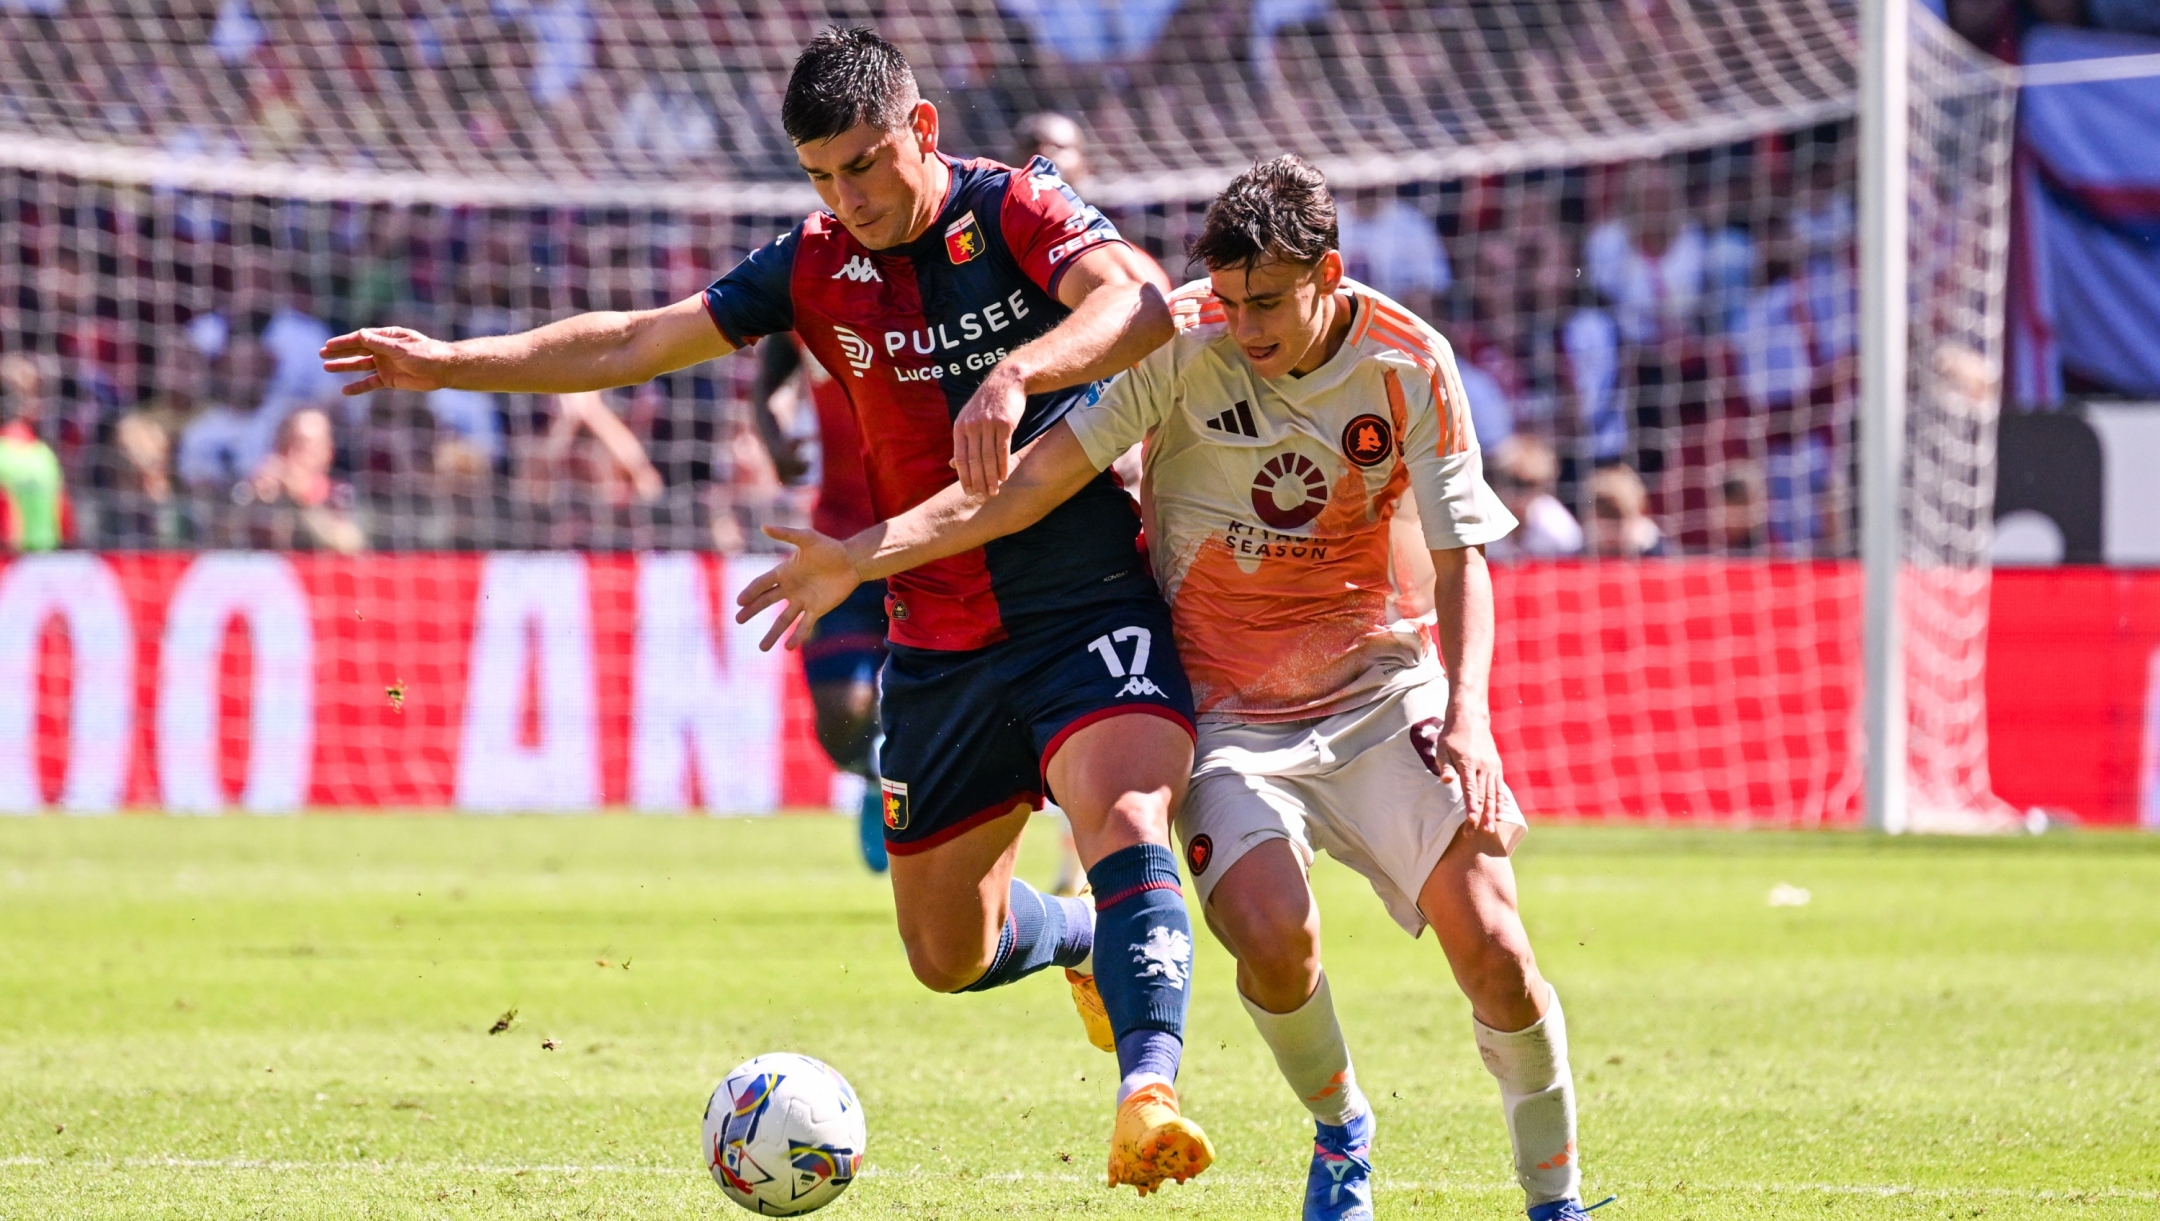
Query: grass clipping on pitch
x=291, y=1018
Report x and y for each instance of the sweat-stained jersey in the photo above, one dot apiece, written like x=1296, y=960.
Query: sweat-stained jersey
x=1268, y=503
x=909, y=333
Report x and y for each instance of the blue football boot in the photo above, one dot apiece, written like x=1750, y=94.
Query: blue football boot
x=1566, y=1210
x=872, y=826
x=1339, y=1185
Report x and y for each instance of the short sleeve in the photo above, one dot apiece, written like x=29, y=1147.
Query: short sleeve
x=755, y=299
x=1046, y=226
x=1127, y=410
x=1447, y=467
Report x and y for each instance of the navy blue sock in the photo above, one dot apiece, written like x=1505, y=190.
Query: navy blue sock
x=1149, y=1051
x=1144, y=955
x=1039, y=932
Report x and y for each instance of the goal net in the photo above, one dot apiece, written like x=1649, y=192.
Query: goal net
x=1634, y=221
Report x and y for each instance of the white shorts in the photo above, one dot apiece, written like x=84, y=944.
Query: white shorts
x=1365, y=785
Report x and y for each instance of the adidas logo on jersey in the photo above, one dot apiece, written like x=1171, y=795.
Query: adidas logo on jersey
x=1238, y=420
x=859, y=269
x=1140, y=684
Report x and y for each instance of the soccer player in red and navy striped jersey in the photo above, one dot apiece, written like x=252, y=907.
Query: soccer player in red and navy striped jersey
x=966, y=306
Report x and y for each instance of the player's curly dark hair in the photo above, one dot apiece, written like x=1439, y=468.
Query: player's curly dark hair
x=845, y=77
x=1278, y=209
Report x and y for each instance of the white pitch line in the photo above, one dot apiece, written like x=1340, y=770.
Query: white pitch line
x=1036, y=1176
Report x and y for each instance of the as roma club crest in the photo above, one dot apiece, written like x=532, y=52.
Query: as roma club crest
x=896, y=808
x=1368, y=440
x=963, y=238
x=1198, y=853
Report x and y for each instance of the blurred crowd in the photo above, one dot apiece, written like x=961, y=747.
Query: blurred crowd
x=1659, y=357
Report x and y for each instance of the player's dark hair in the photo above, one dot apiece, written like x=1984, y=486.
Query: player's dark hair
x=845, y=77
x=1278, y=209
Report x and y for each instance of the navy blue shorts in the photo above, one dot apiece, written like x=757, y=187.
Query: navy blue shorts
x=848, y=643
x=969, y=735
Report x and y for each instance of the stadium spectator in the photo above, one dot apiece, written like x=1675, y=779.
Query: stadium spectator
x=34, y=512
x=1648, y=262
x=1740, y=512
x=1050, y=134
x=611, y=460
x=1093, y=31
x=296, y=476
x=1620, y=525
x=468, y=430
x=1525, y=473
x=1392, y=247
x=221, y=445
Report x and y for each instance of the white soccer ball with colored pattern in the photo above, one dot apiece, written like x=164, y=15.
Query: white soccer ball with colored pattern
x=784, y=1135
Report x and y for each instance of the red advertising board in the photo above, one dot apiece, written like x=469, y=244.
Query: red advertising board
x=1696, y=690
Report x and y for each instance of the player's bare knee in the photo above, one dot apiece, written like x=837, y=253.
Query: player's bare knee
x=946, y=966
x=1275, y=935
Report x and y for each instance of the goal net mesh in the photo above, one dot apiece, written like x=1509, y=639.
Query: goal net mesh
x=1634, y=221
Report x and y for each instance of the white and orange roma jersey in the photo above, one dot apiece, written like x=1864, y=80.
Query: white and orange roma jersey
x=1268, y=503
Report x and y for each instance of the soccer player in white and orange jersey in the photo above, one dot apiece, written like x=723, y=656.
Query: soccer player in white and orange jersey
x=1289, y=422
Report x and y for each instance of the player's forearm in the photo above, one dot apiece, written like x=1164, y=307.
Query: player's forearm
x=952, y=521
x=595, y=351
x=1112, y=329
x=1463, y=605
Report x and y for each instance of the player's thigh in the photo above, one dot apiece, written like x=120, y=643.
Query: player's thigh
x=1118, y=780
x=1106, y=701
x=951, y=898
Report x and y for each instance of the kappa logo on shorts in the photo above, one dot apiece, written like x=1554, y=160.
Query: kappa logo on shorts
x=1368, y=440
x=1198, y=853
x=1141, y=684
x=896, y=804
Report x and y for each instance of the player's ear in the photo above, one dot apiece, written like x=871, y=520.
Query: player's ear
x=1331, y=271
x=923, y=121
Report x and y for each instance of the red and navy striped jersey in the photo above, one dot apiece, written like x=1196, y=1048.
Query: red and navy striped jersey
x=909, y=333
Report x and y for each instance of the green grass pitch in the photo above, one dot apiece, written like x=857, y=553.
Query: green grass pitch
x=287, y=1018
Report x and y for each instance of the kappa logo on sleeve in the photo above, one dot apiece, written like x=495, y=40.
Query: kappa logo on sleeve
x=896, y=804
x=964, y=239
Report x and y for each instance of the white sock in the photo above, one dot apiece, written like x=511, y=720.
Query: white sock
x=1309, y=1048
x=1140, y=1081
x=1538, y=1093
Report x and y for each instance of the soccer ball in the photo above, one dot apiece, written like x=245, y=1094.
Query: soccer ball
x=784, y=1135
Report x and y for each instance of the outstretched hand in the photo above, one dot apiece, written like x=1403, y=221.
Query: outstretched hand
x=817, y=578
x=393, y=357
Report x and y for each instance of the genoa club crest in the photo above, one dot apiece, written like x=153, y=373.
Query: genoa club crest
x=963, y=238
x=896, y=804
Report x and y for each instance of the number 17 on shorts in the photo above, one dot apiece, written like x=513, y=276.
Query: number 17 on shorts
x=1139, y=640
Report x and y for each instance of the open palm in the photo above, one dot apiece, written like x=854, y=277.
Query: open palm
x=393, y=357
x=818, y=577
